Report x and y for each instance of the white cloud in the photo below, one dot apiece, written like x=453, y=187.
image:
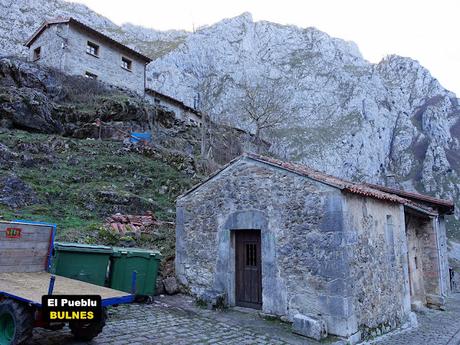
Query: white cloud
x=425, y=30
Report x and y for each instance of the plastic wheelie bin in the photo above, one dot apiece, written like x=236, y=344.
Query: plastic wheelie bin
x=125, y=261
x=88, y=263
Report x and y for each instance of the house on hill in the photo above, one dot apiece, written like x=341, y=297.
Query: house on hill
x=181, y=110
x=77, y=49
x=329, y=255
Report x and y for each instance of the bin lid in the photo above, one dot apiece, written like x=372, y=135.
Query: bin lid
x=140, y=252
x=79, y=247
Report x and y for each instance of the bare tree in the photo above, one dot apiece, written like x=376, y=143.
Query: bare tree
x=265, y=103
x=207, y=95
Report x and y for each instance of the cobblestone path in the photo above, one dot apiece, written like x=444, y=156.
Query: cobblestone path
x=435, y=327
x=161, y=323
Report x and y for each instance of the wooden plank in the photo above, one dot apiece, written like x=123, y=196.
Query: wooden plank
x=18, y=252
x=22, y=260
x=32, y=286
x=28, y=231
x=26, y=252
x=23, y=245
x=25, y=268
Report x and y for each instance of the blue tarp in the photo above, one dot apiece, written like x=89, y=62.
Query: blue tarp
x=137, y=136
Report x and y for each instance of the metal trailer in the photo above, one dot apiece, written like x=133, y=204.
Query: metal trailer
x=25, y=260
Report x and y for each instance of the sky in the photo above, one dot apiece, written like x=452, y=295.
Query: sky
x=425, y=30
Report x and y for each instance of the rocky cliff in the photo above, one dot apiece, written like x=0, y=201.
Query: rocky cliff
x=348, y=117
x=19, y=19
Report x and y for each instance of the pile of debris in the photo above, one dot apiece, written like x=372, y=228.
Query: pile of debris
x=124, y=224
x=127, y=225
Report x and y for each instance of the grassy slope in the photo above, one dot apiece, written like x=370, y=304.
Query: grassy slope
x=68, y=187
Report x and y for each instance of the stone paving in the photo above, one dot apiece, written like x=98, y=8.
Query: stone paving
x=175, y=320
x=434, y=327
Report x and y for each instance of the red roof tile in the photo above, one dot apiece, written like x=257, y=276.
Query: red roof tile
x=365, y=189
x=374, y=191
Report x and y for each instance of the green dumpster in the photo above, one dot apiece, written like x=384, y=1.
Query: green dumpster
x=125, y=261
x=84, y=262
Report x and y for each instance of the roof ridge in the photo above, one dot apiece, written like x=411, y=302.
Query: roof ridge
x=70, y=19
x=362, y=189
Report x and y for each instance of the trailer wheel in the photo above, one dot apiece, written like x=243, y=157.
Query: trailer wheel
x=87, y=330
x=16, y=322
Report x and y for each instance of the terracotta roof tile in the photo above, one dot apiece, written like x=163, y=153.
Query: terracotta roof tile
x=364, y=189
x=374, y=191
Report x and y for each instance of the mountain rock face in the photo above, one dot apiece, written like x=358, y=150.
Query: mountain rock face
x=348, y=117
x=20, y=18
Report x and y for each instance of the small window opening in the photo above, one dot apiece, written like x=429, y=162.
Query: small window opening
x=251, y=255
x=416, y=263
x=92, y=48
x=126, y=63
x=37, y=53
x=90, y=75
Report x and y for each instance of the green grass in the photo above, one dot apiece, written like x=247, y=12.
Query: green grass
x=69, y=186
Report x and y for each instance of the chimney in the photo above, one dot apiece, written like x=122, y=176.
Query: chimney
x=390, y=181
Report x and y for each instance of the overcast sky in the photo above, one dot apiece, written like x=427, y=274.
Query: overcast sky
x=428, y=31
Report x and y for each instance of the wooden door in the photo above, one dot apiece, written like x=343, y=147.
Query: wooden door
x=248, y=269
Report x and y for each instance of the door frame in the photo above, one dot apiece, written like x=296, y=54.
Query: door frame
x=274, y=298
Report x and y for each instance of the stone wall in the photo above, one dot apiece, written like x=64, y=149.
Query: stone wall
x=163, y=102
x=378, y=264
x=304, y=259
x=73, y=59
x=179, y=112
x=429, y=274
x=443, y=255
x=52, y=45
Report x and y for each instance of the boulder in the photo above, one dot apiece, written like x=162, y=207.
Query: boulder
x=213, y=299
x=309, y=326
x=171, y=286
x=160, y=288
x=435, y=302
x=7, y=157
x=15, y=193
x=29, y=109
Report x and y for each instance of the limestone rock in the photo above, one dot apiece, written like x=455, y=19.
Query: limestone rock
x=7, y=157
x=159, y=287
x=213, y=299
x=16, y=193
x=309, y=326
x=20, y=18
x=171, y=286
x=349, y=117
x=413, y=320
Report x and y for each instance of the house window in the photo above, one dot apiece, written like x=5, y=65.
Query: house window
x=90, y=75
x=92, y=48
x=126, y=63
x=37, y=53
